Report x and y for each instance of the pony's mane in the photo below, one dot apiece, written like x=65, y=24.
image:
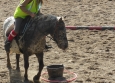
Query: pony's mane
x=41, y=24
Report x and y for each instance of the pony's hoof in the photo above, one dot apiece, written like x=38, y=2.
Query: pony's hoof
x=36, y=79
x=9, y=66
x=27, y=81
x=18, y=69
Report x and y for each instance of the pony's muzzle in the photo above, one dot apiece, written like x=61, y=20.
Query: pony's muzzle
x=64, y=46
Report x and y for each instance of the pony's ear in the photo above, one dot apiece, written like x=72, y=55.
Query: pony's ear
x=60, y=18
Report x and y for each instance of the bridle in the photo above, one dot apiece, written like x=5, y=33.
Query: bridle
x=54, y=32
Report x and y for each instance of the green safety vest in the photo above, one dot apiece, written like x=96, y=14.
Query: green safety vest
x=32, y=6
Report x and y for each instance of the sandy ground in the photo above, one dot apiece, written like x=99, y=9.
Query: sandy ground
x=91, y=53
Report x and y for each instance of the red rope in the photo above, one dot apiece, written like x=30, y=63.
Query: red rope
x=68, y=80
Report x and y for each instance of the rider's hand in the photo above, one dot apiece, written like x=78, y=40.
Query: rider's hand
x=32, y=15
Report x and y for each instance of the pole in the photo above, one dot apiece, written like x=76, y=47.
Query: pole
x=91, y=27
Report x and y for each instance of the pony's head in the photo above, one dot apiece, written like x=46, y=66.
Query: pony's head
x=59, y=34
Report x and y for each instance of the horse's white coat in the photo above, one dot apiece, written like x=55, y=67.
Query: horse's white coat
x=6, y=30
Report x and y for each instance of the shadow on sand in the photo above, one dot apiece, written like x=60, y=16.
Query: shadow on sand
x=15, y=77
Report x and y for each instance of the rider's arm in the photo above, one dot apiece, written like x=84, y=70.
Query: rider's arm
x=23, y=7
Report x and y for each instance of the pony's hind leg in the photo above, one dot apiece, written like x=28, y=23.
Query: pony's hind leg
x=17, y=62
x=8, y=61
x=41, y=65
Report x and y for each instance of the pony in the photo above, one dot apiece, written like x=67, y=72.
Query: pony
x=33, y=40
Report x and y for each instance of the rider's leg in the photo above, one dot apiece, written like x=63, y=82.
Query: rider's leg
x=13, y=33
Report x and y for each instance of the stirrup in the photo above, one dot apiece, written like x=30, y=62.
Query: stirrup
x=48, y=46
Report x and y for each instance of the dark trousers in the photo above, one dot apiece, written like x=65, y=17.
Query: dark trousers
x=18, y=22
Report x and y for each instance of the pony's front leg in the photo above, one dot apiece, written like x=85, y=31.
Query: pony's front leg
x=17, y=62
x=26, y=65
x=8, y=61
x=41, y=65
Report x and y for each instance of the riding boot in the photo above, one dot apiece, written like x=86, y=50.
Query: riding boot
x=47, y=46
x=7, y=46
x=9, y=40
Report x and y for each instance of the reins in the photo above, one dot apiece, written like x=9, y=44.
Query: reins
x=53, y=32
